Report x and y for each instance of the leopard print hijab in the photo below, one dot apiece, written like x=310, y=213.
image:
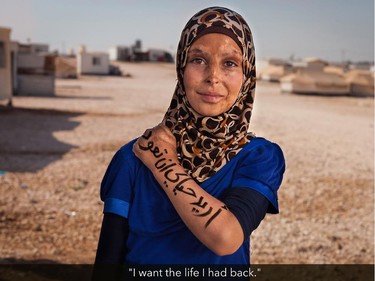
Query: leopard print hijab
x=205, y=144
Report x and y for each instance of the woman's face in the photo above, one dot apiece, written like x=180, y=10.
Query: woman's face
x=213, y=74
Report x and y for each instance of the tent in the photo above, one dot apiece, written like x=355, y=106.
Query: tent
x=361, y=82
x=274, y=73
x=65, y=67
x=312, y=81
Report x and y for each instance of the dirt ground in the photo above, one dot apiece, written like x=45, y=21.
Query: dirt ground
x=54, y=152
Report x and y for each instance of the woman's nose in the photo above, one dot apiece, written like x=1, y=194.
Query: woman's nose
x=213, y=74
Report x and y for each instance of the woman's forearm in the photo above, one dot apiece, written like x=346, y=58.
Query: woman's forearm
x=206, y=216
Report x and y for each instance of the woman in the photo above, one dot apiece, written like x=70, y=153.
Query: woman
x=192, y=189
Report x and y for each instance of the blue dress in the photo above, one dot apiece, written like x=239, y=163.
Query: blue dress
x=157, y=235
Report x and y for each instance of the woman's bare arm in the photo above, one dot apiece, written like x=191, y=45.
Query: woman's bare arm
x=206, y=216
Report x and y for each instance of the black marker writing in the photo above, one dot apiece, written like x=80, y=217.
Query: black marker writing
x=181, y=188
x=199, y=203
x=212, y=217
x=165, y=165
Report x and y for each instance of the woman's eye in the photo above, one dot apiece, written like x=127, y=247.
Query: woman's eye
x=197, y=60
x=230, y=64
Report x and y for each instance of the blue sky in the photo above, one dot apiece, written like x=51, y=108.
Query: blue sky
x=330, y=29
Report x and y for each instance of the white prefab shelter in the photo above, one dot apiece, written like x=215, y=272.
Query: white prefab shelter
x=35, y=71
x=32, y=61
x=36, y=85
x=92, y=63
x=39, y=48
x=308, y=81
x=120, y=53
x=5, y=65
x=14, y=61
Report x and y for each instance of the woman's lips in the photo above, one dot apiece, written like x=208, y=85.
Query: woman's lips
x=210, y=97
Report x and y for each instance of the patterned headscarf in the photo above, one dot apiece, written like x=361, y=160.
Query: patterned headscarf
x=205, y=143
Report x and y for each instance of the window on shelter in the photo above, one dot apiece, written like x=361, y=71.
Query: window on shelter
x=2, y=54
x=96, y=61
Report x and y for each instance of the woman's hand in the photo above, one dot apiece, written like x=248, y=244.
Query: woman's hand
x=155, y=144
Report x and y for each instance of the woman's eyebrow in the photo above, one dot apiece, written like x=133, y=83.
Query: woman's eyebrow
x=196, y=51
x=233, y=53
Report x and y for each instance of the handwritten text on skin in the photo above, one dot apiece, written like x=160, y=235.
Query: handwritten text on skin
x=165, y=165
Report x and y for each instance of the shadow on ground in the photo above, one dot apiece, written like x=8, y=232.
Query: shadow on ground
x=27, y=142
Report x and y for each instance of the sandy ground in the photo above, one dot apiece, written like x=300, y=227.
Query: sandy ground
x=54, y=152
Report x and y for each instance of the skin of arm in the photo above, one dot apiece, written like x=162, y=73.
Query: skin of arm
x=206, y=216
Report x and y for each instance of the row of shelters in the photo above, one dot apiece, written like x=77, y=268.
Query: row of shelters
x=25, y=69
x=136, y=53
x=316, y=76
x=31, y=69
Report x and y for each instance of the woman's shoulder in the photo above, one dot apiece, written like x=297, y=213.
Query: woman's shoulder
x=125, y=156
x=257, y=143
x=122, y=168
x=126, y=151
x=260, y=147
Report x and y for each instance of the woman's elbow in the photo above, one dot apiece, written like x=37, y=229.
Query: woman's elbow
x=228, y=244
x=225, y=250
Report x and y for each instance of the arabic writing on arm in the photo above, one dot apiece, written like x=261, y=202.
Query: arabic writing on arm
x=166, y=165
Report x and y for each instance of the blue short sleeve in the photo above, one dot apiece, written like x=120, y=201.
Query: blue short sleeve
x=116, y=186
x=262, y=169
